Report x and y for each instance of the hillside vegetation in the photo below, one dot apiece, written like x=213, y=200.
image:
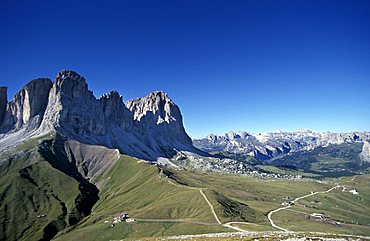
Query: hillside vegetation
x=39, y=198
x=41, y=179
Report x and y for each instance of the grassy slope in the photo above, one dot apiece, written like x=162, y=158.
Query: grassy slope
x=262, y=196
x=282, y=171
x=35, y=182
x=352, y=210
x=28, y=190
x=137, y=189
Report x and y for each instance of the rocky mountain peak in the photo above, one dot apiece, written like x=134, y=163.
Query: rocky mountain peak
x=148, y=127
x=72, y=84
x=115, y=110
x=157, y=104
x=160, y=95
x=157, y=113
x=29, y=102
x=69, y=74
x=72, y=108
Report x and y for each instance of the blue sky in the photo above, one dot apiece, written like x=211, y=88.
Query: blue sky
x=230, y=65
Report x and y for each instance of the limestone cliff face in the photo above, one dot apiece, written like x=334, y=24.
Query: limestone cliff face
x=72, y=108
x=159, y=118
x=115, y=110
x=3, y=102
x=152, y=124
x=29, y=102
x=148, y=127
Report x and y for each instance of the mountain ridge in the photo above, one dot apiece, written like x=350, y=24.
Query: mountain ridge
x=274, y=144
x=68, y=107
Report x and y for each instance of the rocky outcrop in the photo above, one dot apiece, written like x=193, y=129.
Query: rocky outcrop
x=73, y=109
x=115, y=110
x=159, y=118
x=365, y=154
x=29, y=102
x=3, y=102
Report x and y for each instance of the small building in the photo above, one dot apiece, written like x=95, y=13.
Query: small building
x=288, y=203
x=317, y=215
x=130, y=220
x=121, y=217
x=353, y=191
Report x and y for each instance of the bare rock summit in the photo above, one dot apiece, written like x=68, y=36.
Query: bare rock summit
x=160, y=116
x=148, y=128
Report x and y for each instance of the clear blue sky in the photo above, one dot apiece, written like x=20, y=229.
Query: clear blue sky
x=230, y=65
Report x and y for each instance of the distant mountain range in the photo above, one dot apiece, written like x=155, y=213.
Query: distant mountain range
x=275, y=144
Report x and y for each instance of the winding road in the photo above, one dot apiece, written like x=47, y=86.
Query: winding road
x=269, y=215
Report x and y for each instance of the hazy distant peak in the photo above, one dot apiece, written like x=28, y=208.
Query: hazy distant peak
x=273, y=144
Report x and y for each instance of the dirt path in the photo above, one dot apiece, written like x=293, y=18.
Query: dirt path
x=227, y=225
x=269, y=215
x=230, y=225
x=204, y=196
x=210, y=205
x=153, y=220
